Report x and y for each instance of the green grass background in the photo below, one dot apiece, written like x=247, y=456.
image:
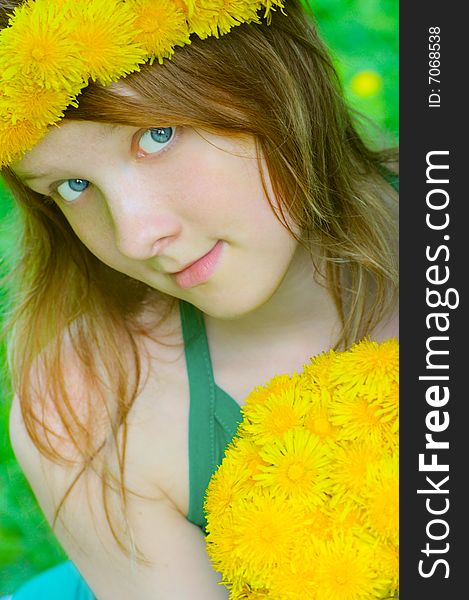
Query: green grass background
x=362, y=36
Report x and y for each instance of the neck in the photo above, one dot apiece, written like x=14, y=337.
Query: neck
x=300, y=307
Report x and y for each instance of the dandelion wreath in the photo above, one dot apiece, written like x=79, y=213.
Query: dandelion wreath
x=305, y=502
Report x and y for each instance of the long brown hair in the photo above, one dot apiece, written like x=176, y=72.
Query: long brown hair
x=276, y=83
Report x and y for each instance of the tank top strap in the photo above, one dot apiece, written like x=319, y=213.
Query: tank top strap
x=202, y=446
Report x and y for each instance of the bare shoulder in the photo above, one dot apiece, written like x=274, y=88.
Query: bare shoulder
x=176, y=563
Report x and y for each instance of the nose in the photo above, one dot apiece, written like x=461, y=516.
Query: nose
x=142, y=223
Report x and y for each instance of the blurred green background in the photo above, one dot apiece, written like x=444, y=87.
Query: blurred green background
x=362, y=36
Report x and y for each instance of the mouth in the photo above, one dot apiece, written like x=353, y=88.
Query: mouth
x=200, y=270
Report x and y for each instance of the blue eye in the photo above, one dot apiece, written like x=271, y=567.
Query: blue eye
x=156, y=138
x=71, y=189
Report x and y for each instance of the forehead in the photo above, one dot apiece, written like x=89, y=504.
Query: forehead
x=67, y=141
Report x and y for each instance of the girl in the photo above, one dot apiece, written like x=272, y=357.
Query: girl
x=188, y=231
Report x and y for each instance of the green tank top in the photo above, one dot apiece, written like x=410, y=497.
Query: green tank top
x=214, y=416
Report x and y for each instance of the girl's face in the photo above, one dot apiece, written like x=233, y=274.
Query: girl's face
x=180, y=209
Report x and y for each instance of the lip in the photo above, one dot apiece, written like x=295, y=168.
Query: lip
x=200, y=270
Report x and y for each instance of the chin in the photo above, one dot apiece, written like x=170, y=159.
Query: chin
x=230, y=305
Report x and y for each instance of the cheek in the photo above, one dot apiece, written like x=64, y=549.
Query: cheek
x=226, y=190
x=94, y=233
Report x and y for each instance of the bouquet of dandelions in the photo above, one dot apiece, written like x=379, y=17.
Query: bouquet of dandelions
x=305, y=502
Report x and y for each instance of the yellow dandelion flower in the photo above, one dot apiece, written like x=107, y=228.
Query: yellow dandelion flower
x=358, y=418
x=260, y=393
x=224, y=486
x=345, y=571
x=350, y=468
x=5, y=108
x=266, y=530
x=366, y=83
x=317, y=421
x=240, y=591
x=43, y=106
x=293, y=581
x=388, y=408
x=319, y=516
x=235, y=12
x=317, y=373
x=246, y=452
x=368, y=367
x=271, y=5
x=61, y=3
x=104, y=31
x=202, y=16
x=162, y=26
x=40, y=47
x=381, y=498
x=221, y=544
x=237, y=588
x=282, y=411
x=16, y=137
x=346, y=518
x=317, y=525
x=185, y=6
x=297, y=466
x=256, y=594
x=387, y=562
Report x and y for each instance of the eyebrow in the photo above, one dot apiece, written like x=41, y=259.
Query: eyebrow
x=28, y=175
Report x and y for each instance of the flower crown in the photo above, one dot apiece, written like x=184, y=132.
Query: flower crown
x=52, y=49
